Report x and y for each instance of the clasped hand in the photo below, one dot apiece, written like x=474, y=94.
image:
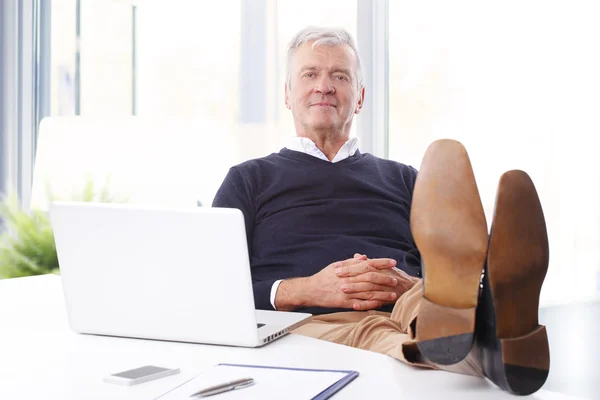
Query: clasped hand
x=361, y=283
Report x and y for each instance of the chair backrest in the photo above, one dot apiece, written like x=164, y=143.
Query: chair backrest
x=140, y=160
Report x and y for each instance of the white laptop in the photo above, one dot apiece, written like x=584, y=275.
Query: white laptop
x=157, y=273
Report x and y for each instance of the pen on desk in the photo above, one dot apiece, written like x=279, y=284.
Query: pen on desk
x=224, y=387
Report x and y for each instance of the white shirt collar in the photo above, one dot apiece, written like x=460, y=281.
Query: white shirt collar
x=307, y=146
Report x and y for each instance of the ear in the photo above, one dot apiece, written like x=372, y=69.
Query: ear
x=361, y=100
x=287, y=97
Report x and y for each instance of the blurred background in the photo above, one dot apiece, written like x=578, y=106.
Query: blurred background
x=153, y=100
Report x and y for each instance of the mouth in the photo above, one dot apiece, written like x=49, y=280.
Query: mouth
x=322, y=104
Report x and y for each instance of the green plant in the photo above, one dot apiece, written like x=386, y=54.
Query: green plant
x=27, y=244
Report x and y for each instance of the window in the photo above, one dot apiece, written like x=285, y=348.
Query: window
x=92, y=57
x=170, y=60
x=518, y=85
x=158, y=60
x=188, y=64
x=149, y=58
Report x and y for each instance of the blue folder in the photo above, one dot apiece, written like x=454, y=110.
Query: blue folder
x=325, y=394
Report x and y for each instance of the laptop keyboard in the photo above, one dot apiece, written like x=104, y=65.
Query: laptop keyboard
x=260, y=325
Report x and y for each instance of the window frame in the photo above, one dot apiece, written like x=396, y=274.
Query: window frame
x=25, y=60
x=373, y=123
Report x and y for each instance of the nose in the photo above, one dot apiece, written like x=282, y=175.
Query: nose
x=324, y=85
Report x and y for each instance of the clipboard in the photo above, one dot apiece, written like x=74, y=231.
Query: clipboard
x=326, y=393
x=271, y=382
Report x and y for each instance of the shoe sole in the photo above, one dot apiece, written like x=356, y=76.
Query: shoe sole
x=513, y=346
x=450, y=230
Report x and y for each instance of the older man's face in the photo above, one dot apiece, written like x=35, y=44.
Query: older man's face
x=323, y=94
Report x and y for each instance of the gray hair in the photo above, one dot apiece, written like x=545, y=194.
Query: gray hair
x=329, y=36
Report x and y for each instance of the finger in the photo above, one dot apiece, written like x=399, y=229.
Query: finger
x=376, y=277
x=379, y=296
x=401, y=272
x=367, y=305
x=353, y=269
x=347, y=263
x=363, y=256
x=363, y=287
x=380, y=263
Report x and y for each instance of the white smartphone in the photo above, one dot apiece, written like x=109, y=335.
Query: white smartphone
x=140, y=375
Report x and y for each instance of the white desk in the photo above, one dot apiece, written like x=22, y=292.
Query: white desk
x=41, y=358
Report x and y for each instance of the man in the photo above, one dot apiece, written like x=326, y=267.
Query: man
x=320, y=200
x=340, y=234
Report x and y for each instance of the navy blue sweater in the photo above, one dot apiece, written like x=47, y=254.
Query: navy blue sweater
x=303, y=213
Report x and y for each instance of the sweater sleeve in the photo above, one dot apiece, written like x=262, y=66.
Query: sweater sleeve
x=237, y=192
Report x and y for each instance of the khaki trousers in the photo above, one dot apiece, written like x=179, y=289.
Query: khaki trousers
x=382, y=332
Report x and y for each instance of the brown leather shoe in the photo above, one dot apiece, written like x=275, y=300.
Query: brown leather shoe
x=449, y=227
x=513, y=346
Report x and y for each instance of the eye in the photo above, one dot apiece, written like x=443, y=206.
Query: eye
x=341, y=77
x=309, y=75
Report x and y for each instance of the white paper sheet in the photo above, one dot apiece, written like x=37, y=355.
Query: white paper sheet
x=270, y=383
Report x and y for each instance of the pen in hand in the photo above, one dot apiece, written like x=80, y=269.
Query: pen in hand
x=224, y=387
